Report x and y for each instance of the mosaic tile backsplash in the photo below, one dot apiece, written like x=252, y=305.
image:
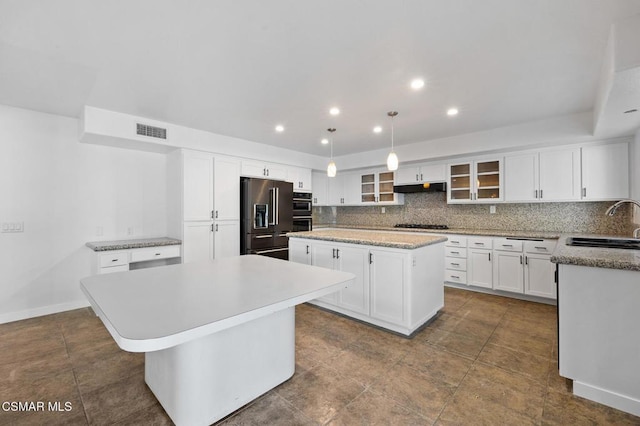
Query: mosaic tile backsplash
x=432, y=208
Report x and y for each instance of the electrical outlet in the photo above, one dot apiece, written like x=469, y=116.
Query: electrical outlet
x=492, y=209
x=99, y=231
x=130, y=231
x=383, y=210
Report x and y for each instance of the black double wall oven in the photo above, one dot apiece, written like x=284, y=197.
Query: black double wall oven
x=302, y=220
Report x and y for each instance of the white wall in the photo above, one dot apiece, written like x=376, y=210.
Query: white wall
x=63, y=191
x=635, y=175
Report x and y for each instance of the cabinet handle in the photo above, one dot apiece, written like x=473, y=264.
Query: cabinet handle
x=333, y=255
x=370, y=258
x=212, y=214
x=216, y=214
x=540, y=248
x=455, y=242
x=455, y=276
x=507, y=245
x=489, y=256
x=455, y=264
x=158, y=254
x=584, y=192
x=216, y=227
x=536, y=193
x=417, y=177
x=267, y=172
x=421, y=178
x=264, y=172
x=526, y=260
x=521, y=260
x=307, y=249
x=541, y=194
x=455, y=252
x=337, y=253
x=212, y=227
x=479, y=244
x=114, y=260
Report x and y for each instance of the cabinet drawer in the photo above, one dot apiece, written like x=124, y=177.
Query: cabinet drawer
x=456, y=241
x=164, y=252
x=505, y=244
x=109, y=270
x=459, y=264
x=459, y=277
x=543, y=247
x=114, y=258
x=480, y=242
x=455, y=252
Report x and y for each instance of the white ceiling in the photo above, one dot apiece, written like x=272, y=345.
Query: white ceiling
x=239, y=67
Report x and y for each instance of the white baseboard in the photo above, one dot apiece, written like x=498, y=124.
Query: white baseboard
x=607, y=397
x=44, y=310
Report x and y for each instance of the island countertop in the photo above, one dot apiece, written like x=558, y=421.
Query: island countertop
x=611, y=258
x=132, y=244
x=458, y=231
x=371, y=238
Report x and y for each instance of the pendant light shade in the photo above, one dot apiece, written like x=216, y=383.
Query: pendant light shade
x=392, y=159
x=331, y=168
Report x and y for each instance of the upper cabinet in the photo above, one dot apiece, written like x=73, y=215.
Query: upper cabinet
x=550, y=175
x=226, y=172
x=197, y=188
x=475, y=182
x=320, y=189
x=421, y=173
x=301, y=179
x=260, y=169
x=605, y=172
x=377, y=187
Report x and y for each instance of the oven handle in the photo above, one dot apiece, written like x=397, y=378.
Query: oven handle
x=303, y=217
x=270, y=251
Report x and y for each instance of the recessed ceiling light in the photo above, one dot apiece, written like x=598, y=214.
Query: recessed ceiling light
x=416, y=84
x=377, y=129
x=324, y=141
x=452, y=111
x=279, y=128
x=334, y=111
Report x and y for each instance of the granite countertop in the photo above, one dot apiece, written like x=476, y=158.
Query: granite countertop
x=368, y=237
x=132, y=244
x=482, y=232
x=595, y=257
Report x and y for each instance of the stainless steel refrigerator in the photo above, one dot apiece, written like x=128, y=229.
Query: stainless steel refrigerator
x=266, y=208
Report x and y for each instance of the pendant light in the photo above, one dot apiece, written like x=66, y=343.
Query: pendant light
x=392, y=159
x=331, y=168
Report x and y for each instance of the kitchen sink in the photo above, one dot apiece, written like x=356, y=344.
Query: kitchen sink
x=619, y=243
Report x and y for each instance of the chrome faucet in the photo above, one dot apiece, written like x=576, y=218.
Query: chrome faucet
x=612, y=210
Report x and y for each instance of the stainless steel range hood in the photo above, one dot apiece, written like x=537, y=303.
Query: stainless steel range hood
x=421, y=187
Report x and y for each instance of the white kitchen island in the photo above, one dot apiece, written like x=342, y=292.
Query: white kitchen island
x=216, y=334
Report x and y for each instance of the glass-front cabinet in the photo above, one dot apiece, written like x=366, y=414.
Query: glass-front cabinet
x=377, y=187
x=475, y=181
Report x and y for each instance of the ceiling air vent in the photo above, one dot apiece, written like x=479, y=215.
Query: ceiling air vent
x=151, y=131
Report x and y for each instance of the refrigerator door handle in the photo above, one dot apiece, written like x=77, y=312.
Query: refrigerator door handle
x=272, y=193
x=277, y=204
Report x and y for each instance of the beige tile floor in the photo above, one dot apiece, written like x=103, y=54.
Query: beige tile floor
x=484, y=360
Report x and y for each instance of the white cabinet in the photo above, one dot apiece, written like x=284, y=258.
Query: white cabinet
x=226, y=188
x=480, y=264
x=320, y=188
x=605, y=172
x=260, y=169
x=300, y=178
x=197, y=185
x=421, y=173
x=204, y=195
x=387, y=289
x=508, y=271
x=550, y=175
x=344, y=189
x=396, y=289
x=197, y=241
x=455, y=261
x=226, y=238
x=475, y=182
x=106, y=262
x=376, y=187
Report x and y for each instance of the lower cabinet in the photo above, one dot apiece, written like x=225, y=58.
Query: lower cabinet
x=396, y=289
x=206, y=240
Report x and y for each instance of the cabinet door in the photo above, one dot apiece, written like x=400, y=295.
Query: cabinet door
x=336, y=190
x=521, y=177
x=351, y=188
x=320, y=189
x=480, y=268
x=323, y=255
x=227, y=238
x=197, y=241
x=299, y=251
x=252, y=168
x=409, y=175
x=560, y=175
x=226, y=189
x=384, y=187
x=508, y=271
x=605, y=172
x=459, y=188
x=387, y=280
x=276, y=171
x=198, y=186
x=306, y=182
x=356, y=261
x=487, y=180
x=539, y=276
x=432, y=173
